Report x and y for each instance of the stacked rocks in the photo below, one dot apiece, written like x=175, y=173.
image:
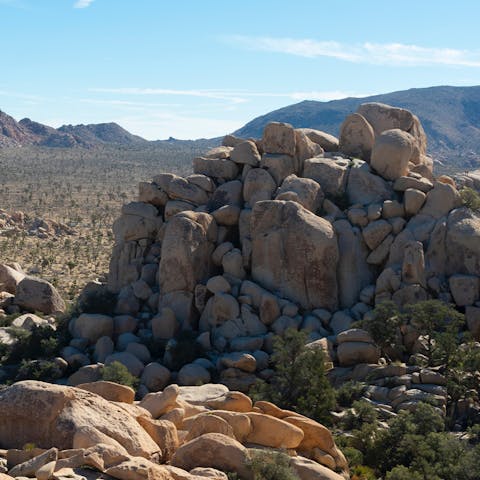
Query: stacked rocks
x=295, y=230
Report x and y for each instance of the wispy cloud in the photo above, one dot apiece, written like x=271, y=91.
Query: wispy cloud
x=83, y=3
x=393, y=54
x=231, y=96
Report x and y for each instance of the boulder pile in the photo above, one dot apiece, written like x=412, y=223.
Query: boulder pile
x=295, y=230
x=18, y=223
x=181, y=433
x=20, y=292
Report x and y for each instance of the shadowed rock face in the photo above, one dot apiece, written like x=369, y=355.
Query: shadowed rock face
x=295, y=253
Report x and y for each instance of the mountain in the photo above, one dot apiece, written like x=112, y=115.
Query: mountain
x=450, y=117
x=28, y=132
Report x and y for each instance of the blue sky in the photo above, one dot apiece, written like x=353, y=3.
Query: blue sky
x=202, y=68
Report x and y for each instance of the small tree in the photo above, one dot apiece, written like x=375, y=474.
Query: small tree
x=299, y=382
x=470, y=198
x=118, y=373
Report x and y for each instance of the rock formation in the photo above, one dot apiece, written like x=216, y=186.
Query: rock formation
x=277, y=233
x=180, y=433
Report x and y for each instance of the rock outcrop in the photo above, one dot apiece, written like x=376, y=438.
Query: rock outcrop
x=216, y=432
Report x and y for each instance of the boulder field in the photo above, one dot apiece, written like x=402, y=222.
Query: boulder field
x=186, y=433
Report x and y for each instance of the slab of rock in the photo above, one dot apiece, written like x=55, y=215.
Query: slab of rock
x=37, y=295
x=375, y=232
x=60, y=412
x=113, y=392
x=295, y=253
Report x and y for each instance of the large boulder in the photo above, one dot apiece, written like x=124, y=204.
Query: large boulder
x=328, y=142
x=279, y=138
x=186, y=260
x=391, y=153
x=213, y=450
x=10, y=278
x=330, y=174
x=462, y=242
x=295, y=253
x=365, y=187
x=305, y=191
x=59, y=413
x=38, y=295
x=356, y=137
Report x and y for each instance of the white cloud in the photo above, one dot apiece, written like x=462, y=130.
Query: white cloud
x=393, y=54
x=231, y=96
x=83, y=3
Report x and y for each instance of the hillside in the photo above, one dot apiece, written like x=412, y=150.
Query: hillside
x=449, y=115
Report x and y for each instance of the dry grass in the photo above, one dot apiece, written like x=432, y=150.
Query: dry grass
x=83, y=189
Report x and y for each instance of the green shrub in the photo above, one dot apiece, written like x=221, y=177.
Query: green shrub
x=271, y=465
x=299, y=381
x=349, y=392
x=97, y=301
x=118, y=373
x=43, y=370
x=470, y=198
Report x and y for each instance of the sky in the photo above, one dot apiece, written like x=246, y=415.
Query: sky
x=203, y=68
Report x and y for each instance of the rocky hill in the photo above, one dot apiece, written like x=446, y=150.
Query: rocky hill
x=28, y=132
x=449, y=115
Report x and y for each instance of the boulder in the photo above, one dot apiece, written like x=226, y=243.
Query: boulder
x=305, y=191
x=113, y=392
x=329, y=174
x=151, y=193
x=465, y=289
x=155, y=376
x=92, y=326
x=10, y=278
x=273, y=432
x=186, y=261
x=364, y=187
x=462, y=243
x=59, y=412
x=193, y=374
x=391, y=153
x=137, y=468
x=295, y=253
x=259, y=185
x=246, y=153
x=441, y=200
x=375, y=232
x=37, y=295
x=351, y=353
x=279, y=138
x=328, y=142
x=413, y=199
x=213, y=450
x=133, y=364
x=278, y=165
x=309, y=470
x=356, y=137
x=215, y=167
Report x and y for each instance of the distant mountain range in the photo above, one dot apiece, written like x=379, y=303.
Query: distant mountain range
x=27, y=132
x=450, y=117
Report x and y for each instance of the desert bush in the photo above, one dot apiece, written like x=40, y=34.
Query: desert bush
x=349, y=392
x=470, y=198
x=271, y=465
x=43, y=370
x=299, y=381
x=118, y=373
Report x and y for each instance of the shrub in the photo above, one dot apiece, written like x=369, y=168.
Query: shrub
x=98, y=300
x=349, y=392
x=299, y=382
x=271, y=465
x=43, y=370
x=118, y=373
x=470, y=198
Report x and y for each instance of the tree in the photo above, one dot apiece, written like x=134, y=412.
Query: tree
x=299, y=382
